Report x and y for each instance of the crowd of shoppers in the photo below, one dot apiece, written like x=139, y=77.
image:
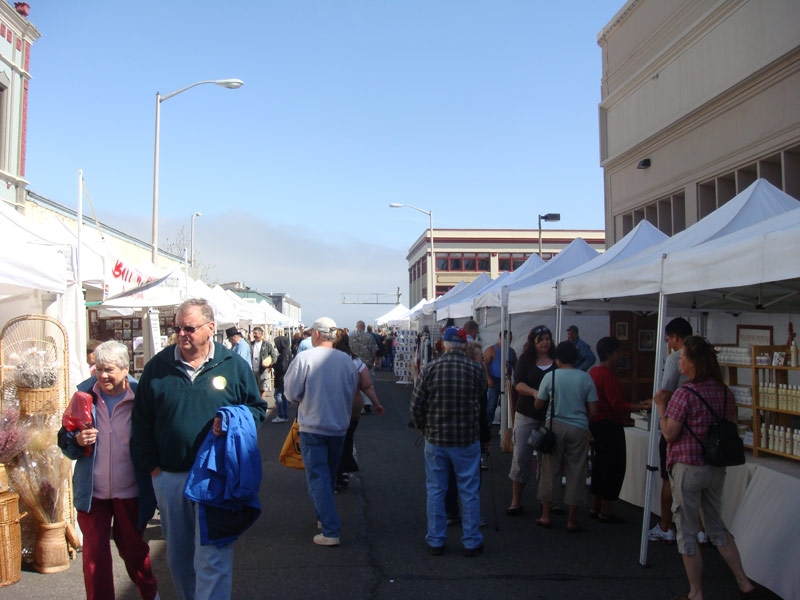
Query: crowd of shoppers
x=192, y=390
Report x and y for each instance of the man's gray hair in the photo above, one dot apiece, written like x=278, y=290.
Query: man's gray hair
x=114, y=353
x=202, y=304
x=328, y=336
x=454, y=345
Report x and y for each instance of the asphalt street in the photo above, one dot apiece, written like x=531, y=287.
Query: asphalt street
x=383, y=552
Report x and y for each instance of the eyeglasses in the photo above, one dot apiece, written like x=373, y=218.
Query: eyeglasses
x=188, y=328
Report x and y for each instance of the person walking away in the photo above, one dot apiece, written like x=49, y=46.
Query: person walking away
x=676, y=331
x=697, y=486
x=608, y=433
x=278, y=372
x=446, y=409
x=348, y=463
x=586, y=357
x=111, y=500
x=179, y=393
x=323, y=381
x=536, y=361
x=363, y=344
x=238, y=344
x=494, y=370
x=574, y=399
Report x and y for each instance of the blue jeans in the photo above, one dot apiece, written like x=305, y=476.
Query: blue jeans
x=321, y=455
x=464, y=461
x=282, y=404
x=197, y=571
x=492, y=398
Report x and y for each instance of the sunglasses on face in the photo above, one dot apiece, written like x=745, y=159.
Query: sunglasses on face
x=187, y=329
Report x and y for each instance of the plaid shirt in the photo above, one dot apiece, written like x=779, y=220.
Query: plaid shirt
x=446, y=403
x=687, y=408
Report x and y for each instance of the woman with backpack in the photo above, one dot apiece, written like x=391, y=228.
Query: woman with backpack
x=697, y=485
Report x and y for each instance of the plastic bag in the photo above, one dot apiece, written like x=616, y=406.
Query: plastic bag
x=78, y=415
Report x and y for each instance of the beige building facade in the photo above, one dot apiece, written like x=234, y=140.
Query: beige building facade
x=463, y=254
x=699, y=99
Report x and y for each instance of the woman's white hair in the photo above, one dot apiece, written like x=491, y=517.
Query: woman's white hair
x=112, y=352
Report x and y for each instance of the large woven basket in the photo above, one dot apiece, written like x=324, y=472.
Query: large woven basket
x=10, y=541
x=34, y=401
x=50, y=554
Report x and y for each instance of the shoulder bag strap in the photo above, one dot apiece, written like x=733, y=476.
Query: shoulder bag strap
x=708, y=406
x=553, y=399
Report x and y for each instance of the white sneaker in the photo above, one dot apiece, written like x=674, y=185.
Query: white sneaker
x=322, y=540
x=659, y=535
x=702, y=538
x=279, y=420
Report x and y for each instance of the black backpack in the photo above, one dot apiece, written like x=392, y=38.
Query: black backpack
x=722, y=447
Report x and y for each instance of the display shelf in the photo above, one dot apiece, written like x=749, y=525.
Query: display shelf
x=769, y=376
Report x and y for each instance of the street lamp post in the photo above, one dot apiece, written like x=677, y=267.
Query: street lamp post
x=231, y=84
x=546, y=217
x=191, y=246
x=432, y=269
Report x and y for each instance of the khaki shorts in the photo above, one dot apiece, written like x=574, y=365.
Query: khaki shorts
x=696, y=491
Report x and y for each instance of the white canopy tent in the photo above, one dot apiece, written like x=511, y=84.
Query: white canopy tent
x=755, y=269
x=468, y=292
x=492, y=295
x=543, y=296
x=397, y=317
x=637, y=280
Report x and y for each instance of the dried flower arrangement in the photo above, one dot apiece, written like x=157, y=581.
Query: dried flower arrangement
x=40, y=472
x=35, y=371
x=13, y=437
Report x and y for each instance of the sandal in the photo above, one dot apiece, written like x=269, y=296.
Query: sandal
x=541, y=523
x=514, y=510
x=574, y=529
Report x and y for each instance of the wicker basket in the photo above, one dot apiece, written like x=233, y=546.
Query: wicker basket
x=10, y=542
x=50, y=551
x=34, y=401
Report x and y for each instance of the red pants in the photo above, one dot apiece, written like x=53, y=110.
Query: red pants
x=98, y=576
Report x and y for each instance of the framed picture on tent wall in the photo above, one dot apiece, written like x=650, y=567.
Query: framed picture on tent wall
x=647, y=340
x=621, y=331
x=753, y=335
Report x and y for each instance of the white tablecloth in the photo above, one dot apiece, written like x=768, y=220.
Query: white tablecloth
x=633, y=487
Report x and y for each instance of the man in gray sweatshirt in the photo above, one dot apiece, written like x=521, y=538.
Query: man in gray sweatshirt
x=323, y=381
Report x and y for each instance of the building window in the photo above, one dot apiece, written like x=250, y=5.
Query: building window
x=441, y=261
x=484, y=263
x=509, y=262
x=517, y=260
x=455, y=262
x=468, y=263
x=503, y=262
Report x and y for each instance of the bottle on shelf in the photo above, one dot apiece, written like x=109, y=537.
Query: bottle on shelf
x=764, y=439
x=793, y=354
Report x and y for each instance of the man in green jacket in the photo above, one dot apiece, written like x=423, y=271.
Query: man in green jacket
x=179, y=393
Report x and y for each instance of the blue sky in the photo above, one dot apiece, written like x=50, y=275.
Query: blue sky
x=483, y=112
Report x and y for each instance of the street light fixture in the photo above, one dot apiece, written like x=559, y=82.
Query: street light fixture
x=546, y=217
x=432, y=269
x=191, y=247
x=231, y=84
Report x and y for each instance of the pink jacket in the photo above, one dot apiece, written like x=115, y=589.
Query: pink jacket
x=113, y=475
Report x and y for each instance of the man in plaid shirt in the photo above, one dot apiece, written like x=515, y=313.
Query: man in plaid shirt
x=446, y=408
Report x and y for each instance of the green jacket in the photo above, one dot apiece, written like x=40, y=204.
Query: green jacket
x=172, y=414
